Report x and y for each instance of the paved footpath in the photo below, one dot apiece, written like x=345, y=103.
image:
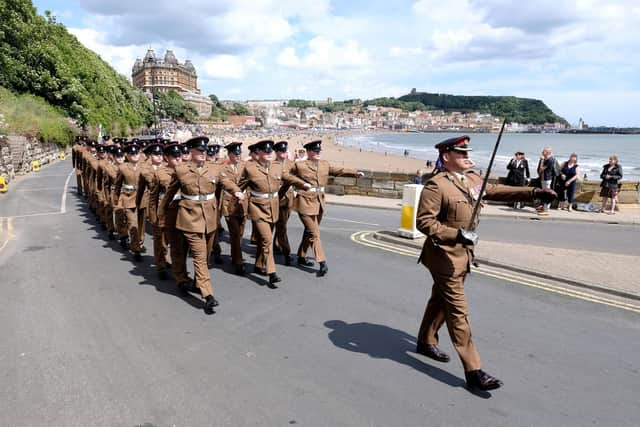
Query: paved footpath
x=91, y=338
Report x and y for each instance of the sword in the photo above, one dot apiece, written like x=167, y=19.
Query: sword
x=467, y=233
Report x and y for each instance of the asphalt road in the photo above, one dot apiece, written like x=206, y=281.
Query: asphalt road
x=91, y=338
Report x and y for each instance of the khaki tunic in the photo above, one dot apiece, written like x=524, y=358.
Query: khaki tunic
x=230, y=205
x=128, y=174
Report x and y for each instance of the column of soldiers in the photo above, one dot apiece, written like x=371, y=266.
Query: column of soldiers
x=184, y=190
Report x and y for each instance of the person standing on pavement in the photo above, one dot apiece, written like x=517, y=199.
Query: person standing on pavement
x=287, y=196
x=310, y=203
x=197, y=182
x=546, y=172
x=234, y=210
x=445, y=208
x=518, y=175
x=611, y=176
x=124, y=195
x=567, y=181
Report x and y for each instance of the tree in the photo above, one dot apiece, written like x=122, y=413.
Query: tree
x=239, y=110
x=174, y=107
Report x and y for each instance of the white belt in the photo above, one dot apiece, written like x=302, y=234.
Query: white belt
x=199, y=197
x=129, y=187
x=264, y=195
x=113, y=187
x=316, y=190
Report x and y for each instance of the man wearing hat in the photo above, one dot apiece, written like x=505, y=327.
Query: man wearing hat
x=124, y=194
x=234, y=210
x=263, y=178
x=186, y=154
x=253, y=157
x=445, y=209
x=148, y=187
x=90, y=164
x=197, y=212
x=77, y=153
x=109, y=174
x=287, y=197
x=101, y=205
x=167, y=214
x=213, y=157
x=310, y=201
x=518, y=175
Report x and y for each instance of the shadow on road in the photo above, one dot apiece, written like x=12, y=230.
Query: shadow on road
x=383, y=342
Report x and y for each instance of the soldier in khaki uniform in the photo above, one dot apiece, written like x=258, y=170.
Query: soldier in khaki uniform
x=77, y=153
x=287, y=196
x=234, y=210
x=109, y=175
x=88, y=165
x=213, y=158
x=197, y=212
x=167, y=215
x=96, y=178
x=310, y=201
x=445, y=208
x=148, y=184
x=263, y=178
x=124, y=195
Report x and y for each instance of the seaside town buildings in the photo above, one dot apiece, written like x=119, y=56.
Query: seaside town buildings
x=155, y=75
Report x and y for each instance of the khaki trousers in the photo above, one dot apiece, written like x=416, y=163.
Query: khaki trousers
x=79, y=183
x=311, y=237
x=264, y=245
x=142, y=221
x=200, y=244
x=108, y=213
x=178, y=253
x=282, y=239
x=132, y=229
x=159, y=247
x=236, y=232
x=448, y=303
x=120, y=218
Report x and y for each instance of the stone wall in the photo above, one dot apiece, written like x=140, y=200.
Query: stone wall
x=390, y=185
x=17, y=154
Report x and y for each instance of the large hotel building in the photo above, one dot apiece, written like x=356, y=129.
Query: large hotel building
x=152, y=74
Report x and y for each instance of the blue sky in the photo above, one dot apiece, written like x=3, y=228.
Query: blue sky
x=579, y=56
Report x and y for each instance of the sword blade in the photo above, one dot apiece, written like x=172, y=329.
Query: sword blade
x=476, y=208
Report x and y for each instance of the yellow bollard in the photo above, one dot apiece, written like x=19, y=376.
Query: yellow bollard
x=410, y=200
x=35, y=166
x=61, y=156
x=3, y=185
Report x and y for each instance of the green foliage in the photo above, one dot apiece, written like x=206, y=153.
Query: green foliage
x=300, y=103
x=39, y=56
x=33, y=117
x=171, y=105
x=521, y=110
x=238, y=110
x=396, y=103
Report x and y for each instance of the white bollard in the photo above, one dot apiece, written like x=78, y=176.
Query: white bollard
x=410, y=200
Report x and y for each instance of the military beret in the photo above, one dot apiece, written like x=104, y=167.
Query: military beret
x=173, y=150
x=281, y=146
x=266, y=145
x=459, y=143
x=198, y=143
x=314, y=145
x=153, y=149
x=234, y=147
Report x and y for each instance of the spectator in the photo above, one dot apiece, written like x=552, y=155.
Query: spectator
x=611, y=176
x=518, y=175
x=418, y=178
x=546, y=172
x=566, y=187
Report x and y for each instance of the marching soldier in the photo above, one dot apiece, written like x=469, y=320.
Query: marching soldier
x=197, y=212
x=96, y=178
x=287, y=196
x=148, y=184
x=109, y=173
x=124, y=195
x=77, y=153
x=213, y=153
x=263, y=178
x=234, y=210
x=446, y=206
x=88, y=161
x=167, y=214
x=310, y=201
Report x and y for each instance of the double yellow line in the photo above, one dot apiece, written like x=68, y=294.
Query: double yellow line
x=6, y=231
x=365, y=238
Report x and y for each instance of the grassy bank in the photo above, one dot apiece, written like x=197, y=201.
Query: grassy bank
x=31, y=116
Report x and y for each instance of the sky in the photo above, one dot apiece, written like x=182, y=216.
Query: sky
x=581, y=57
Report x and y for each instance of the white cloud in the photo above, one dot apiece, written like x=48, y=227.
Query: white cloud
x=326, y=54
x=225, y=67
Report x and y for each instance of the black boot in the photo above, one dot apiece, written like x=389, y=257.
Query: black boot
x=137, y=257
x=123, y=243
x=209, y=303
x=287, y=260
x=432, y=351
x=303, y=261
x=323, y=269
x=162, y=274
x=239, y=270
x=480, y=380
x=111, y=236
x=273, y=279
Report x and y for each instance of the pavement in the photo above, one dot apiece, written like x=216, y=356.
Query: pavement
x=627, y=215
x=92, y=338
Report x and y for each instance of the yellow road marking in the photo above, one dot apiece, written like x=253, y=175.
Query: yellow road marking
x=362, y=238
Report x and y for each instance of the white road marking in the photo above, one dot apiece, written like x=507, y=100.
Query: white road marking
x=38, y=189
x=350, y=221
x=63, y=203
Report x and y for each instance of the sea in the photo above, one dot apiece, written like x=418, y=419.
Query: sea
x=593, y=150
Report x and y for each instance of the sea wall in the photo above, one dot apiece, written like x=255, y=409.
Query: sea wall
x=17, y=154
x=390, y=185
